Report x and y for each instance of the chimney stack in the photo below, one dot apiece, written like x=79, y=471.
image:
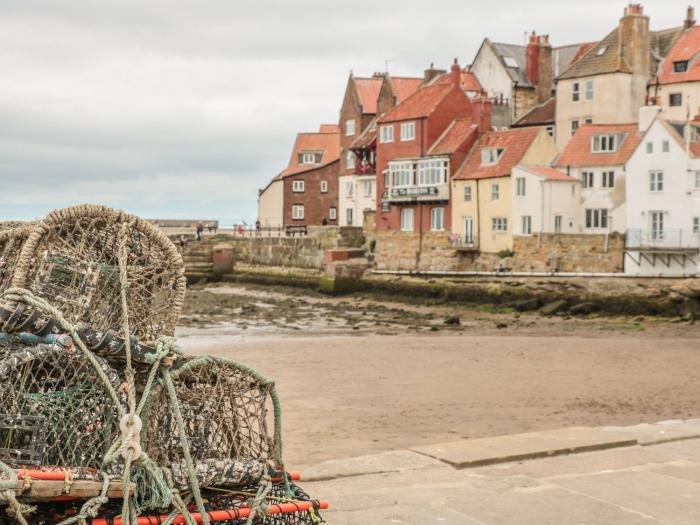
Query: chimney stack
x=635, y=40
x=689, y=18
x=430, y=73
x=532, y=54
x=456, y=72
x=538, y=65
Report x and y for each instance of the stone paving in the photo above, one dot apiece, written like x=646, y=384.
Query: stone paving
x=655, y=481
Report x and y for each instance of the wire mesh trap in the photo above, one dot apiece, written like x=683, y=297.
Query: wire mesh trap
x=96, y=397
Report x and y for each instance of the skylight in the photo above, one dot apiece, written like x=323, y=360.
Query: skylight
x=510, y=62
x=601, y=50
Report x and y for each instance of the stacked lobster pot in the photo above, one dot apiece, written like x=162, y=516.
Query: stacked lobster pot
x=103, y=419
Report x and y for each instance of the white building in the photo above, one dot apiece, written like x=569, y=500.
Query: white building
x=545, y=200
x=271, y=204
x=663, y=201
x=596, y=155
x=356, y=194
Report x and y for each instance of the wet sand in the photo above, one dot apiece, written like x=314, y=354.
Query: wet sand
x=358, y=377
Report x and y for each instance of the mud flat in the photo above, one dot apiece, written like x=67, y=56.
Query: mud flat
x=358, y=376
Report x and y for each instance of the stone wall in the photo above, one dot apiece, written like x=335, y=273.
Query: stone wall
x=569, y=253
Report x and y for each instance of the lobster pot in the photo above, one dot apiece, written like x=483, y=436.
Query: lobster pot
x=81, y=259
x=224, y=408
x=54, y=409
x=12, y=238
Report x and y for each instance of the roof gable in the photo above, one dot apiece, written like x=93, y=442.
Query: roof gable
x=541, y=114
x=367, y=92
x=420, y=104
x=515, y=144
x=578, y=152
x=549, y=173
x=457, y=133
x=686, y=48
x=328, y=144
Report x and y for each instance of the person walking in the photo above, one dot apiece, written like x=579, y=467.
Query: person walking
x=258, y=227
x=199, y=230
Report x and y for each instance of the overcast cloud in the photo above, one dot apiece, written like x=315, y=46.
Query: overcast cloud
x=185, y=108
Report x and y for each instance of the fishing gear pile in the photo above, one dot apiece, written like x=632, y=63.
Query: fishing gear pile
x=103, y=419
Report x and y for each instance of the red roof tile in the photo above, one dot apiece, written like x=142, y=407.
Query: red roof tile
x=549, y=173
x=577, y=152
x=421, y=104
x=368, y=91
x=404, y=87
x=328, y=144
x=456, y=134
x=468, y=80
x=515, y=143
x=687, y=47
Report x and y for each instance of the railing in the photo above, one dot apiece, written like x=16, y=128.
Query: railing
x=240, y=232
x=662, y=239
x=461, y=242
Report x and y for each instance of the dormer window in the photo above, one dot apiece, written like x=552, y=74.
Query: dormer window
x=491, y=156
x=604, y=143
x=681, y=66
x=310, y=157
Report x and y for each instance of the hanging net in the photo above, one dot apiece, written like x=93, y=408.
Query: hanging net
x=96, y=396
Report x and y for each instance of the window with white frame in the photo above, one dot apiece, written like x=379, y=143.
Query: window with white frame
x=696, y=224
x=401, y=174
x=297, y=212
x=432, y=172
x=349, y=215
x=650, y=148
x=309, y=157
x=526, y=224
x=407, y=219
x=656, y=224
x=589, y=89
x=333, y=213
x=575, y=92
x=350, y=127
x=495, y=192
x=490, y=156
x=596, y=218
x=408, y=131
x=467, y=194
x=608, y=179
x=437, y=219
x=368, y=187
x=557, y=224
x=499, y=224
x=298, y=186
x=604, y=143
x=587, y=179
x=656, y=181
x=349, y=189
x=386, y=134
x=665, y=146
x=350, y=160
x=574, y=127
x=520, y=186
x=324, y=186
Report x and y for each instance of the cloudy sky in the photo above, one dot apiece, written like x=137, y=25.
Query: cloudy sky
x=185, y=108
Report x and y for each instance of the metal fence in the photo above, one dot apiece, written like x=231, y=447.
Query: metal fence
x=640, y=238
x=240, y=231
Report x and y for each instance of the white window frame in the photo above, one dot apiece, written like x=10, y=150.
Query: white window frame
x=499, y=225
x=574, y=127
x=467, y=193
x=665, y=146
x=350, y=127
x=656, y=181
x=696, y=225
x=656, y=225
x=324, y=186
x=437, y=219
x=608, y=179
x=432, y=172
x=350, y=160
x=349, y=216
x=349, y=189
x=589, y=89
x=408, y=131
x=298, y=186
x=298, y=212
x=368, y=186
x=520, y=186
x=308, y=158
x=407, y=219
x=401, y=173
x=491, y=156
x=649, y=148
x=607, y=143
x=333, y=213
x=596, y=218
x=557, y=223
x=495, y=191
x=587, y=179
x=526, y=224
x=386, y=134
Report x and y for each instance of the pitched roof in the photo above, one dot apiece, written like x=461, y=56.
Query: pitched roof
x=367, y=137
x=468, y=80
x=328, y=144
x=404, y=87
x=677, y=129
x=577, y=152
x=549, y=173
x=515, y=143
x=456, y=134
x=604, y=56
x=368, y=92
x=687, y=47
x=562, y=58
x=420, y=104
x=541, y=114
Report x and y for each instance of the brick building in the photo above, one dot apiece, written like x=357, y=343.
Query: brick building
x=310, y=181
x=418, y=143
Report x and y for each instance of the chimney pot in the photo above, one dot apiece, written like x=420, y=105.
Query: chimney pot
x=690, y=17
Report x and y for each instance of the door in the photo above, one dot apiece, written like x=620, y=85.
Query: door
x=657, y=225
x=468, y=230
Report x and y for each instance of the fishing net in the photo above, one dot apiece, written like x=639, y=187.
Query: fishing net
x=54, y=409
x=93, y=387
x=73, y=257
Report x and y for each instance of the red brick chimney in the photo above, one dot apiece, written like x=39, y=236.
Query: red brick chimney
x=689, y=18
x=483, y=107
x=635, y=40
x=532, y=61
x=456, y=73
x=430, y=73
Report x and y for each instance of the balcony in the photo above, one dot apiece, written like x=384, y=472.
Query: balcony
x=662, y=241
x=422, y=193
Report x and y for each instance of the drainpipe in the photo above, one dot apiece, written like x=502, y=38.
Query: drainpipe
x=478, y=218
x=420, y=234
